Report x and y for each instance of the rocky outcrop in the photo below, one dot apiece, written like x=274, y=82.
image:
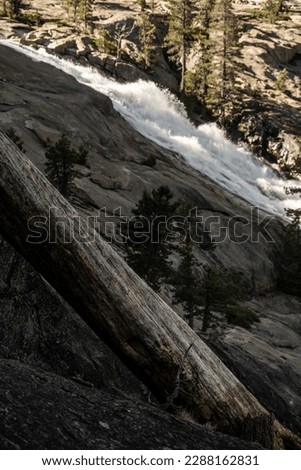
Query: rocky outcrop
x=266, y=358
x=39, y=410
x=269, y=83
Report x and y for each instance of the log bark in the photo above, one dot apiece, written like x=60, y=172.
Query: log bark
x=154, y=342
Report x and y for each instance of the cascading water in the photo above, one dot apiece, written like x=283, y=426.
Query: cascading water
x=159, y=116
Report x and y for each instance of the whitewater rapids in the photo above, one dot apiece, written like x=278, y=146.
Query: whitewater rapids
x=159, y=116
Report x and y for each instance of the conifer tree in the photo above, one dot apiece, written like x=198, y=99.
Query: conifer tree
x=197, y=79
x=85, y=12
x=223, y=50
x=220, y=290
x=12, y=8
x=61, y=159
x=147, y=32
x=272, y=9
x=186, y=283
x=181, y=33
x=147, y=238
x=72, y=7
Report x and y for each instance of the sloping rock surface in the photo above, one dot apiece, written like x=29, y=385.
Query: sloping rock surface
x=43, y=411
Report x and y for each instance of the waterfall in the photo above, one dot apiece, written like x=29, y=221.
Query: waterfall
x=159, y=116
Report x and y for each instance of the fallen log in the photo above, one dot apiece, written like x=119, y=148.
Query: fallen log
x=154, y=342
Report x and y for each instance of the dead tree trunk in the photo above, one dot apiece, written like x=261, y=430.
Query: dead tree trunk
x=148, y=336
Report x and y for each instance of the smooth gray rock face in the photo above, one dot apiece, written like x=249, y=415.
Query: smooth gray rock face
x=39, y=108
x=44, y=411
x=267, y=358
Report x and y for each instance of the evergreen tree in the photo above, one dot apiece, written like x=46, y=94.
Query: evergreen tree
x=148, y=249
x=198, y=78
x=72, y=7
x=220, y=291
x=181, y=33
x=85, y=12
x=105, y=42
x=272, y=9
x=186, y=283
x=61, y=159
x=12, y=8
x=223, y=49
x=147, y=32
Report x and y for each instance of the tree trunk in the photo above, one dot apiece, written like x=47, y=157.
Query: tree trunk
x=122, y=310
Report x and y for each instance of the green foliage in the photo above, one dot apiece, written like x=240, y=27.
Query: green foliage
x=142, y=4
x=223, y=49
x=12, y=134
x=61, y=159
x=280, y=83
x=12, y=8
x=32, y=18
x=85, y=12
x=105, y=42
x=147, y=32
x=147, y=240
x=186, y=283
x=241, y=316
x=80, y=10
x=272, y=10
x=220, y=291
x=216, y=290
x=181, y=33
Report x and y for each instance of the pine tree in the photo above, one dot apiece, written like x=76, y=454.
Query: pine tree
x=220, y=291
x=186, y=283
x=272, y=9
x=147, y=32
x=72, y=7
x=12, y=8
x=147, y=238
x=197, y=79
x=223, y=50
x=61, y=159
x=181, y=33
x=85, y=12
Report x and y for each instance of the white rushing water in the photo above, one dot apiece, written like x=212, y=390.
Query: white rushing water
x=158, y=115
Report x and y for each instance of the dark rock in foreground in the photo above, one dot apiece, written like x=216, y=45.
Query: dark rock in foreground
x=45, y=411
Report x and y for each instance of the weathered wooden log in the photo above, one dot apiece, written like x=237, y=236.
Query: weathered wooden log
x=155, y=343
